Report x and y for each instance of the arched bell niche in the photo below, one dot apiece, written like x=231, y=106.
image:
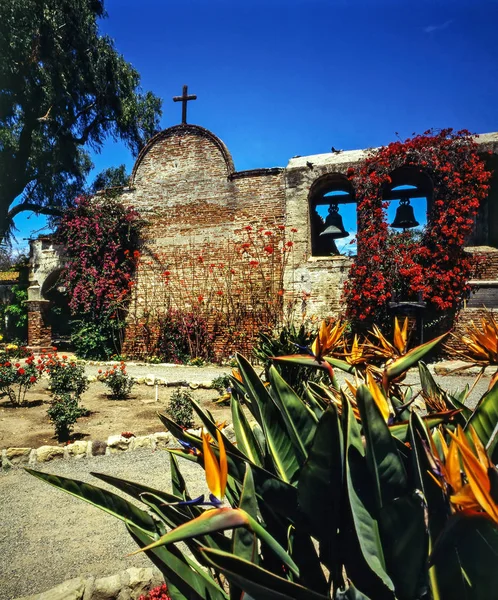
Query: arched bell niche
x=332, y=216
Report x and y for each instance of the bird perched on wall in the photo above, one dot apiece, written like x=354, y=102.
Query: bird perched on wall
x=309, y=164
x=335, y=151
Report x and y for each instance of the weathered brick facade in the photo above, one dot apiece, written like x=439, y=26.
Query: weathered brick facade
x=185, y=186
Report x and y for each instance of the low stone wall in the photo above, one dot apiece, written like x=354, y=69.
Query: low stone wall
x=19, y=456
x=14, y=456
x=127, y=585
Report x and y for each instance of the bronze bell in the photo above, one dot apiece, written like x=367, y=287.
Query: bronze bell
x=334, y=228
x=405, y=218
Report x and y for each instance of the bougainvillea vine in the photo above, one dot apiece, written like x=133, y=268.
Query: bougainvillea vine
x=436, y=266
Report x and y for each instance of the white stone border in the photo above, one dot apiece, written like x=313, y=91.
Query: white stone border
x=20, y=456
x=115, y=444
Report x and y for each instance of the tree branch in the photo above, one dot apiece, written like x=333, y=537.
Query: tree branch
x=36, y=208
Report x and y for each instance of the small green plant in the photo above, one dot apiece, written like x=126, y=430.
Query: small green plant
x=64, y=413
x=154, y=360
x=221, y=384
x=17, y=377
x=67, y=383
x=66, y=377
x=180, y=408
x=117, y=381
x=93, y=340
x=197, y=362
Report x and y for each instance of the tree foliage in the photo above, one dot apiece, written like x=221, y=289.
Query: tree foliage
x=64, y=89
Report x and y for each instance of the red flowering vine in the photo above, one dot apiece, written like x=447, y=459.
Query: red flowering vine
x=100, y=240
x=437, y=265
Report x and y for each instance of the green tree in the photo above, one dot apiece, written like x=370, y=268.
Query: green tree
x=112, y=177
x=64, y=89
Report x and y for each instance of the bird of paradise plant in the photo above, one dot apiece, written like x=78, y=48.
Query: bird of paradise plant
x=326, y=497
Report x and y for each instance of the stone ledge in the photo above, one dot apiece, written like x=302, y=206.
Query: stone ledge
x=129, y=585
x=19, y=456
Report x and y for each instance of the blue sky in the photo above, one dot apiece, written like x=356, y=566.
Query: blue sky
x=278, y=78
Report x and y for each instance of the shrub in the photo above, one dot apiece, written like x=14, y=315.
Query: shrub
x=180, y=408
x=64, y=413
x=67, y=383
x=117, y=381
x=17, y=377
x=67, y=378
x=92, y=340
x=221, y=384
x=185, y=336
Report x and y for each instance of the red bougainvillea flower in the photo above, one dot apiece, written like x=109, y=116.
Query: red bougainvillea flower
x=21, y=371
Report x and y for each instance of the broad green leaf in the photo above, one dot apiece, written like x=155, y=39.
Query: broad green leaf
x=307, y=360
x=304, y=551
x=253, y=387
x=279, y=494
x=484, y=420
x=244, y=541
x=365, y=525
x=406, y=543
x=246, y=440
x=211, y=428
x=221, y=519
x=466, y=556
x=107, y=501
x=284, y=455
x=320, y=485
x=410, y=359
x=385, y=465
x=177, y=480
x=300, y=422
x=401, y=430
x=437, y=506
x=257, y=582
x=183, y=573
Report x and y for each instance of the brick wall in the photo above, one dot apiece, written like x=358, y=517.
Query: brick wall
x=195, y=204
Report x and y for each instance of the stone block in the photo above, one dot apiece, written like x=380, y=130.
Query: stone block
x=46, y=453
x=78, y=449
x=73, y=589
x=163, y=439
x=143, y=441
x=18, y=455
x=142, y=580
x=107, y=588
x=140, y=380
x=207, y=385
x=196, y=432
x=150, y=379
x=229, y=433
x=98, y=448
x=117, y=443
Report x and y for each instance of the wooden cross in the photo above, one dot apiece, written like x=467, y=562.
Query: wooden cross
x=184, y=98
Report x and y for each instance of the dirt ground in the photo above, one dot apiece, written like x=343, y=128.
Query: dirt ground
x=29, y=426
